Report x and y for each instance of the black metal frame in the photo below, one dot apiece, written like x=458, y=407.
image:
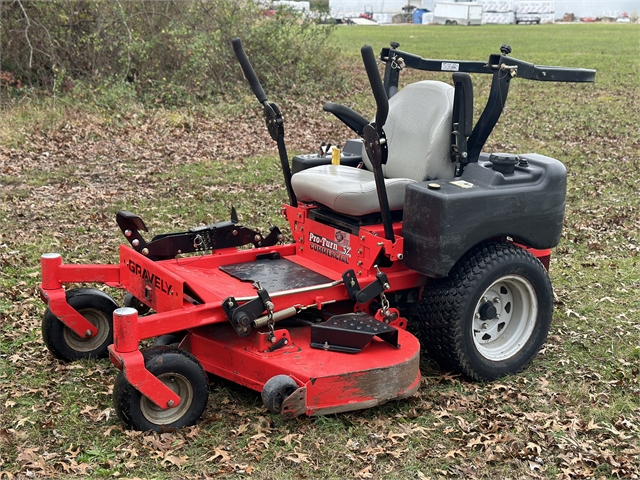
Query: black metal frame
x=223, y=234
x=501, y=66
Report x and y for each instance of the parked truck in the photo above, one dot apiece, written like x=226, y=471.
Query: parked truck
x=460, y=13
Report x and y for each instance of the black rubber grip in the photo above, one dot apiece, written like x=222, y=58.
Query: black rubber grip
x=351, y=118
x=254, y=83
x=379, y=94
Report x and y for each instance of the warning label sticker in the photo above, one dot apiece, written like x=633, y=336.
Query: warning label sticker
x=461, y=184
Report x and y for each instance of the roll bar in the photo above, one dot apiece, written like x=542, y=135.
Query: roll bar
x=501, y=66
x=523, y=69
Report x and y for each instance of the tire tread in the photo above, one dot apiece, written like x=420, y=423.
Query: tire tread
x=441, y=327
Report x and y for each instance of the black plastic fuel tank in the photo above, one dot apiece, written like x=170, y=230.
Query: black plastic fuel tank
x=520, y=197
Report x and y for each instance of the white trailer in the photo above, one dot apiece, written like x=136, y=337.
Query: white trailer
x=353, y=8
x=535, y=7
x=499, y=18
x=459, y=13
x=496, y=6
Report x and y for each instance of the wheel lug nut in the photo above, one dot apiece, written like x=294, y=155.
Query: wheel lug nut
x=170, y=403
x=496, y=299
x=484, y=326
x=88, y=334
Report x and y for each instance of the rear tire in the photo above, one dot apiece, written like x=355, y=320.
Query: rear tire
x=181, y=372
x=491, y=315
x=63, y=343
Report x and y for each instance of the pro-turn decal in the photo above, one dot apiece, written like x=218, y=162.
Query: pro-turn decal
x=338, y=248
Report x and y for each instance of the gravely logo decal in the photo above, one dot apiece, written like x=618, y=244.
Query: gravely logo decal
x=158, y=282
x=338, y=249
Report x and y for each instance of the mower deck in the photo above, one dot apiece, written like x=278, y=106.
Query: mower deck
x=329, y=382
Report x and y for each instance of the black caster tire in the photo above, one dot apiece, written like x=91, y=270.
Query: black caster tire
x=491, y=315
x=276, y=390
x=63, y=343
x=133, y=302
x=182, y=373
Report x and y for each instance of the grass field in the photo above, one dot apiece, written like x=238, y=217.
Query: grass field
x=575, y=413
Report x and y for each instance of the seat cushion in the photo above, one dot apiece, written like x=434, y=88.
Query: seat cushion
x=347, y=190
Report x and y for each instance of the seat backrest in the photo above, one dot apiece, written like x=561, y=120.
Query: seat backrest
x=418, y=131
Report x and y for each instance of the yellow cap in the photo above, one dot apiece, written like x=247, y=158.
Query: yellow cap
x=335, y=156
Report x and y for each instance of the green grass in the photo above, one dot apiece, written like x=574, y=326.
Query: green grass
x=575, y=413
x=564, y=45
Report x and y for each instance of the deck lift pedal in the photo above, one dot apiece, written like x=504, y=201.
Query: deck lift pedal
x=430, y=228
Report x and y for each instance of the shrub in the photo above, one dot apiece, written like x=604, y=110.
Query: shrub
x=172, y=51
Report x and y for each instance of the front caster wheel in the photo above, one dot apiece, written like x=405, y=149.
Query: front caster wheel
x=182, y=373
x=276, y=390
x=491, y=315
x=63, y=343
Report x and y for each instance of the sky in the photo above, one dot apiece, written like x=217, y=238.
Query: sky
x=596, y=8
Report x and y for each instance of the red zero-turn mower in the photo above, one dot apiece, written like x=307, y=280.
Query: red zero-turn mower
x=428, y=228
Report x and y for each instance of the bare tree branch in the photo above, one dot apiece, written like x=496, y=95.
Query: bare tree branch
x=26, y=33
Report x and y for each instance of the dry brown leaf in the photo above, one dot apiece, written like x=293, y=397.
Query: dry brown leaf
x=108, y=431
x=5, y=436
x=219, y=456
x=365, y=472
x=453, y=453
x=298, y=457
x=287, y=439
x=175, y=460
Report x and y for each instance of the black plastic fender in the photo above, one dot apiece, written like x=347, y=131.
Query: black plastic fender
x=445, y=219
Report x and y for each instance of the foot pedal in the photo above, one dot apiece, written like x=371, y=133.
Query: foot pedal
x=351, y=332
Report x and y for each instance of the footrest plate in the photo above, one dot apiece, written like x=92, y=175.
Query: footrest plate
x=351, y=333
